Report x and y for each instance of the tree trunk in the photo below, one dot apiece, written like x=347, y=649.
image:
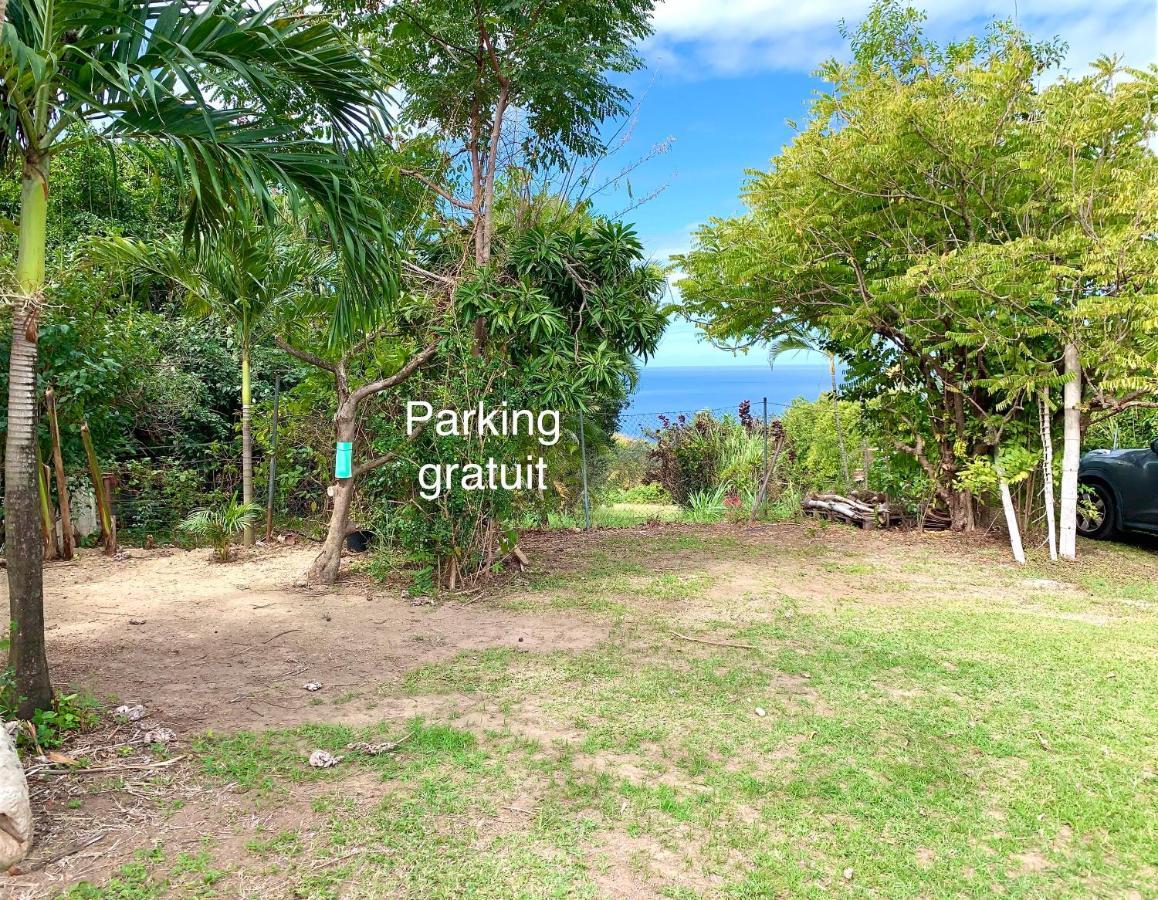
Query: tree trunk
x=328, y=562
x=1010, y=513
x=1071, y=453
x=47, y=519
x=960, y=504
x=100, y=495
x=1046, y=422
x=246, y=443
x=24, y=550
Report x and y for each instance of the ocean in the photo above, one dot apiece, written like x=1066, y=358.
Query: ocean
x=688, y=389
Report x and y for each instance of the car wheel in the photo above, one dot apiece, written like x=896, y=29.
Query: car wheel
x=1096, y=513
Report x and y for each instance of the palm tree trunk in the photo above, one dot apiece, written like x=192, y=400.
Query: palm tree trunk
x=24, y=550
x=1071, y=453
x=246, y=442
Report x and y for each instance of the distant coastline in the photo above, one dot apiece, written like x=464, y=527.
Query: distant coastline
x=672, y=390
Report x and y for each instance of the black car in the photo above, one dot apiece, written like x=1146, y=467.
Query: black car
x=1120, y=492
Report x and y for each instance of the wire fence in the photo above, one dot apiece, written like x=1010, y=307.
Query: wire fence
x=153, y=491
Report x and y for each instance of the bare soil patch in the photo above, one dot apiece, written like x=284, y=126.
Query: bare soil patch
x=228, y=647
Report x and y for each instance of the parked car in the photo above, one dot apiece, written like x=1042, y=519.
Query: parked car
x=1120, y=492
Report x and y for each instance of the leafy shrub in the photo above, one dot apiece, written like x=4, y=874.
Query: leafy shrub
x=627, y=463
x=814, y=443
x=1132, y=428
x=70, y=713
x=219, y=525
x=650, y=493
x=980, y=475
x=151, y=499
x=686, y=455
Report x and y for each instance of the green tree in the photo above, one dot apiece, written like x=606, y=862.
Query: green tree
x=166, y=75
x=947, y=227
x=357, y=372
x=464, y=67
x=239, y=274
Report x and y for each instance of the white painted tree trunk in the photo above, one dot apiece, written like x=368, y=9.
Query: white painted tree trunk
x=1010, y=515
x=1046, y=422
x=15, y=810
x=1071, y=453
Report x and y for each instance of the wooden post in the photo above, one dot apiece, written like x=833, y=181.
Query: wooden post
x=98, y=488
x=47, y=522
x=272, y=461
x=61, y=481
x=769, y=469
x=583, y=457
x=110, y=492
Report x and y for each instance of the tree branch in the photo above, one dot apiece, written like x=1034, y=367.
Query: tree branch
x=442, y=192
x=397, y=378
x=378, y=461
x=305, y=356
x=424, y=273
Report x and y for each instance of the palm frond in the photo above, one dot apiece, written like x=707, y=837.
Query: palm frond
x=254, y=106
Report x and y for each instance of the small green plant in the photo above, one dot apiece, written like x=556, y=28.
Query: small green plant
x=218, y=525
x=422, y=582
x=708, y=505
x=69, y=713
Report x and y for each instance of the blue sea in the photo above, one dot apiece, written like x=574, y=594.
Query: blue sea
x=688, y=389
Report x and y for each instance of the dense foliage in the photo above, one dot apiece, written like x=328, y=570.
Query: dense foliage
x=946, y=225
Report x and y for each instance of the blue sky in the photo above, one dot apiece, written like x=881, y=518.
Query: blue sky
x=722, y=77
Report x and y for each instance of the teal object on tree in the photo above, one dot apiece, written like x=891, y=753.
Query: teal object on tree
x=344, y=460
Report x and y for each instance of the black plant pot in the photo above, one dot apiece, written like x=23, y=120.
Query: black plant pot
x=359, y=541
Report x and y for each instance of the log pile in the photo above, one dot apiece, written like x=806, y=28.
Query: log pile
x=933, y=519
x=866, y=509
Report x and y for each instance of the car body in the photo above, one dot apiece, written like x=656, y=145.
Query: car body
x=1120, y=491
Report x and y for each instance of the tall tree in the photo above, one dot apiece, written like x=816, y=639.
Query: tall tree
x=239, y=274
x=167, y=75
x=947, y=227
x=523, y=83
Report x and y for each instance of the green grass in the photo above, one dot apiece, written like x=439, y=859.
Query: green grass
x=922, y=742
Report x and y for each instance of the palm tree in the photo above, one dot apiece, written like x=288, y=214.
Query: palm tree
x=247, y=102
x=240, y=275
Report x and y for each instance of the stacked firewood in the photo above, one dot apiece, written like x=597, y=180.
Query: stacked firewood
x=933, y=519
x=867, y=509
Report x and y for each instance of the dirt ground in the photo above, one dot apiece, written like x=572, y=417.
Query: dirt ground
x=230, y=646
x=223, y=648
x=209, y=647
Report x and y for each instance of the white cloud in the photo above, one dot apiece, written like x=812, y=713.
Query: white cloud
x=731, y=37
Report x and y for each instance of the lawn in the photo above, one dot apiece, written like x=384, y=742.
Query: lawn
x=793, y=710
